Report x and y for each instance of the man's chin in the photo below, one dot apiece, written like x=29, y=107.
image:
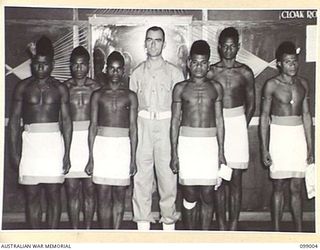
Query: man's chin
x=42, y=76
x=79, y=77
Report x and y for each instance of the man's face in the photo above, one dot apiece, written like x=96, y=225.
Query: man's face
x=79, y=67
x=42, y=66
x=115, y=71
x=198, y=65
x=289, y=64
x=154, y=43
x=228, y=48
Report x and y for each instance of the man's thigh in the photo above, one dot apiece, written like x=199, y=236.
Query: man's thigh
x=190, y=193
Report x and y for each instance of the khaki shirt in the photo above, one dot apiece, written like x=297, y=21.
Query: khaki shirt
x=154, y=86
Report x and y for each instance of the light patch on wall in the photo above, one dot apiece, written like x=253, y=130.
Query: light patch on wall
x=311, y=44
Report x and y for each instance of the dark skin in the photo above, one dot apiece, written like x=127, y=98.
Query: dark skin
x=80, y=88
x=197, y=102
x=113, y=106
x=287, y=94
x=237, y=81
x=41, y=99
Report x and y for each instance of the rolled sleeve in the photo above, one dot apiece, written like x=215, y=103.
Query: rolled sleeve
x=177, y=76
x=133, y=82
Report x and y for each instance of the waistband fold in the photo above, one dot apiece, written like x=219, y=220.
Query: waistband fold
x=112, y=131
x=198, y=132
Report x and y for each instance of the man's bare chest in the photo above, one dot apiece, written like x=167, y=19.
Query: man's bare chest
x=230, y=78
x=41, y=95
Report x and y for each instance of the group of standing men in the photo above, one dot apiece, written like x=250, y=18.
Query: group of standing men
x=162, y=127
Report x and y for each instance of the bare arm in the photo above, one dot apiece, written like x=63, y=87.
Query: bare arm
x=174, y=127
x=307, y=123
x=92, y=129
x=133, y=131
x=250, y=95
x=14, y=125
x=219, y=122
x=264, y=122
x=66, y=126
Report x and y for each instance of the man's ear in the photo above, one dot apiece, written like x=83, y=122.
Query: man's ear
x=164, y=44
x=188, y=62
x=279, y=64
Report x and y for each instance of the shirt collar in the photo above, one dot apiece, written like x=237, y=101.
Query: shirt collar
x=161, y=64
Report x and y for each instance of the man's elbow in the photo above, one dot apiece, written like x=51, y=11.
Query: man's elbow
x=133, y=130
x=306, y=114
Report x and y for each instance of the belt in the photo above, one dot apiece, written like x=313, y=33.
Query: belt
x=154, y=115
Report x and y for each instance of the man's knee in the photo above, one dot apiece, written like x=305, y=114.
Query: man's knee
x=118, y=193
x=295, y=186
x=88, y=188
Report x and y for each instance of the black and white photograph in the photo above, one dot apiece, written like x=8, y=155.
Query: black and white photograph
x=145, y=119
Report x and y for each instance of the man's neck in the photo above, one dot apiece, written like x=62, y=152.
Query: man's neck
x=286, y=78
x=228, y=63
x=155, y=61
x=198, y=81
x=80, y=82
x=42, y=81
x=114, y=86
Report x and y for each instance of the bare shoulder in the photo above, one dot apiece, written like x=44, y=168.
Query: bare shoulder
x=25, y=82
x=21, y=86
x=132, y=97
x=92, y=83
x=68, y=82
x=180, y=85
x=96, y=94
x=245, y=69
x=215, y=65
x=98, y=91
x=60, y=86
x=304, y=82
x=132, y=94
x=271, y=84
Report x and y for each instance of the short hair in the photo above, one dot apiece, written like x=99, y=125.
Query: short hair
x=44, y=47
x=285, y=48
x=229, y=32
x=156, y=28
x=115, y=56
x=79, y=51
x=200, y=47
